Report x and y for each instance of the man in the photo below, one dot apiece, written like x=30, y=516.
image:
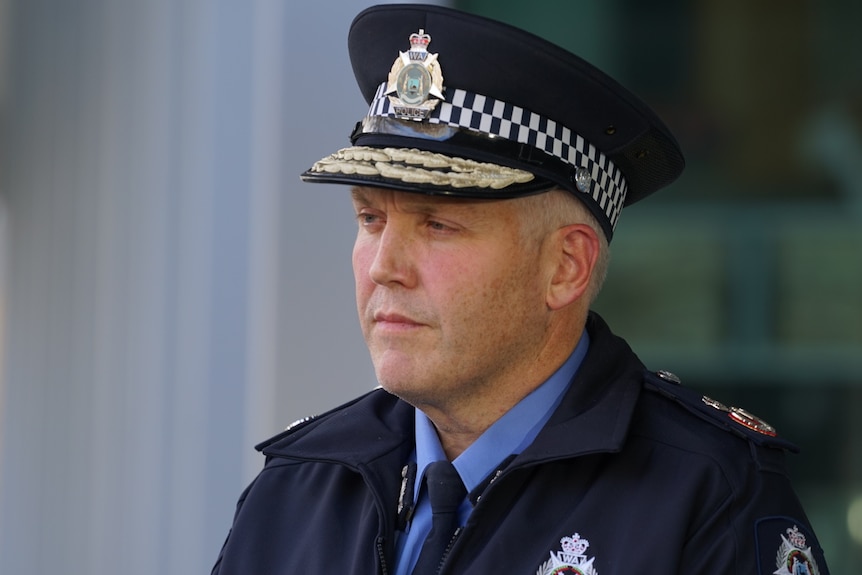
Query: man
x=487, y=180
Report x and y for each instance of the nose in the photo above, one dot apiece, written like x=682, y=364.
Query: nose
x=392, y=260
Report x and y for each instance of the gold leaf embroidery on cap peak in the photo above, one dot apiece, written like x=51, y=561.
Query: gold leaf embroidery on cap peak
x=420, y=167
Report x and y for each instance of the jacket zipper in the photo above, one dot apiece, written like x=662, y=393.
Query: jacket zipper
x=448, y=548
x=382, y=556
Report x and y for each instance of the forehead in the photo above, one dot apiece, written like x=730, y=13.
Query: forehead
x=380, y=197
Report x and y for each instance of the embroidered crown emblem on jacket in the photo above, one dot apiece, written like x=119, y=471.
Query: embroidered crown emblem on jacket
x=570, y=560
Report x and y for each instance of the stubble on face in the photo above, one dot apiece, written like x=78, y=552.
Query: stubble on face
x=455, y=318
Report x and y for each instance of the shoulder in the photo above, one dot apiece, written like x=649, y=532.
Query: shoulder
x=758, y=505
x=676, y=415
x=376, y=417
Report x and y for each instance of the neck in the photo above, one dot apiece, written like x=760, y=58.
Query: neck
x=460, y=421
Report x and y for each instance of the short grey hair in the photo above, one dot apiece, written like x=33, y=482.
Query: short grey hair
x=558, y=208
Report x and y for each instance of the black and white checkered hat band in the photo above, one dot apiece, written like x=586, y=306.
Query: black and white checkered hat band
x=494, y=117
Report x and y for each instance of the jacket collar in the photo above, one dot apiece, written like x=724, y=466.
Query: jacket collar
x=596, y=411
x=365, y=429
x=594, y=415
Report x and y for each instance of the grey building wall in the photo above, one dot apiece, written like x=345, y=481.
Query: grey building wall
x=171, y=293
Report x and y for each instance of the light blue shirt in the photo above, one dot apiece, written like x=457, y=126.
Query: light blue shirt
x=509, y=435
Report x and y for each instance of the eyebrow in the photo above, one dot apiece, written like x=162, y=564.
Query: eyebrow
x=416, y=203
x=357, y=194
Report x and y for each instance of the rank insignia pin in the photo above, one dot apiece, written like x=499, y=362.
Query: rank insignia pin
x=742, y=417
x=751, y=421
x=415, y=83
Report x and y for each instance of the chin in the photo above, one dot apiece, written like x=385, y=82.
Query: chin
x=407, y=390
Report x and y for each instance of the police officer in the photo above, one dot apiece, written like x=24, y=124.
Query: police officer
x=513, y=432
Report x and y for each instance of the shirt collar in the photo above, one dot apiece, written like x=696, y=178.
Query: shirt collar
x=509, y=435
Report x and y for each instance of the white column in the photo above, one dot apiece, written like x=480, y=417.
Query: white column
x=172, y=293
x=128, y=186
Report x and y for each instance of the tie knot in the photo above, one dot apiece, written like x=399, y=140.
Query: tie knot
x=446, y=491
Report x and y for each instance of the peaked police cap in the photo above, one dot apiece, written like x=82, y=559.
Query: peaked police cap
x=466, y=106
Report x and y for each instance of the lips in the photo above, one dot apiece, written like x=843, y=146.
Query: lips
x=395, y=319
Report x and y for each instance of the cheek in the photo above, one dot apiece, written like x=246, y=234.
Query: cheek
x=513, y=294
x=477, y=290
x=361, y=260
x=362, y=283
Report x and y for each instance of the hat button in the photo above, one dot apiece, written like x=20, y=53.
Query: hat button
x=582, y=179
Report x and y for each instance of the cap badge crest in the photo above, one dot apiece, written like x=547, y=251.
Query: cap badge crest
x=570, y=560
x=415, y=84
x=794, y=556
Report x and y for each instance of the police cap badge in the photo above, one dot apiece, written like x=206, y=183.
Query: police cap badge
x=512, y=115
x=414, y=77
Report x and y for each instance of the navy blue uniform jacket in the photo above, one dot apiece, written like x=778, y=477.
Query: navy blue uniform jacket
x=632, y=474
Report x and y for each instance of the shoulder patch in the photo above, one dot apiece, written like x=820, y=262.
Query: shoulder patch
x=733, y=419
x=785, y=546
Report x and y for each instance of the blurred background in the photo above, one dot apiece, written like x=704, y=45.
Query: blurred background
x=171, y=294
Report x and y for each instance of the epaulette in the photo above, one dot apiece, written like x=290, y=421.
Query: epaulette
x=732, y=419
x=303, y=422
x=295, y=426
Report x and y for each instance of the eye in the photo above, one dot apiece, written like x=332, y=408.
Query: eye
x=367, y=219
x=442, y=225
x=439, y=226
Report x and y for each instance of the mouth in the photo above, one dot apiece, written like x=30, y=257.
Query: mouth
x=395, y=321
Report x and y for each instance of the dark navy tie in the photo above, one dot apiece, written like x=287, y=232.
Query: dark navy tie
x=446, y=492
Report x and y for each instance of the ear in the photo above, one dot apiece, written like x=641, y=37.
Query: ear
x=575, y=249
